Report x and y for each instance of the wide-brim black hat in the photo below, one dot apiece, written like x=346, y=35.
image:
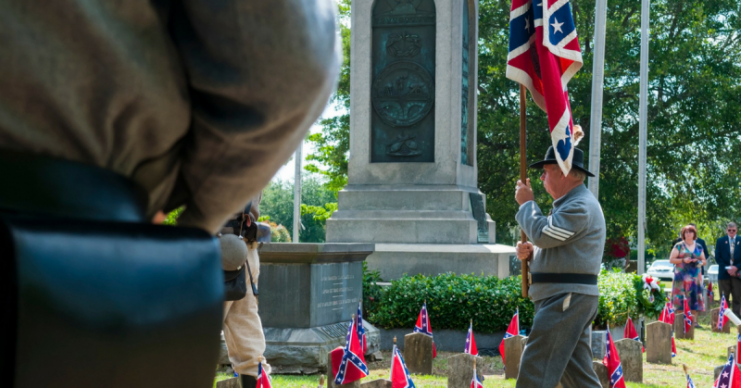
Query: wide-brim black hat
x=576, y=163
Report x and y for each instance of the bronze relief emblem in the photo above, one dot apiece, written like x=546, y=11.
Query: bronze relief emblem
x=403, y=94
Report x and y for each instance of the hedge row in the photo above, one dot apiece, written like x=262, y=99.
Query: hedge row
x=452, y=300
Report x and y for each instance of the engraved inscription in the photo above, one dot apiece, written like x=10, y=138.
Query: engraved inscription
x=403, y=88
x=336, y=292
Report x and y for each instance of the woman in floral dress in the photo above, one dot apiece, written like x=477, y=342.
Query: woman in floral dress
x=688, y=257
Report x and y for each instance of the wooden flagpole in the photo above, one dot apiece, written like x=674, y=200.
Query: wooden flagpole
x=523, y=178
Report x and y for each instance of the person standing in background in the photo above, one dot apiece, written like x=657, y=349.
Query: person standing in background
x=688, y=257
x=728, y=257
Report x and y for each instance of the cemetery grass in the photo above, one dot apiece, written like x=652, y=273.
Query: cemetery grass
x=701, y=356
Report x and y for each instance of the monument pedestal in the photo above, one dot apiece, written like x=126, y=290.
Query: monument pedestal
x=412, y=173
x=308, y=294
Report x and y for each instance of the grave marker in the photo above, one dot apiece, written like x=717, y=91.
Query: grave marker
x=714, y=320
x=679, y=328
x=330, y=376
x=513, y=348
x=418, y=353
x=601, y=370
x=228, y=383
x=379, y=383
x=631, y=358
x=659, y=343
x=460, y=370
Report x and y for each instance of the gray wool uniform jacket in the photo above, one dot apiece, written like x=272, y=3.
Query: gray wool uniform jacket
x=214, y=95
x=570, y=240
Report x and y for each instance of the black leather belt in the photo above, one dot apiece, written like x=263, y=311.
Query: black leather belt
x=575, y=278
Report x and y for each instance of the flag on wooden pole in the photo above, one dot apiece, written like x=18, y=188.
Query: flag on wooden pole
x=512, y=330
x=544, y=55
x=471, y=342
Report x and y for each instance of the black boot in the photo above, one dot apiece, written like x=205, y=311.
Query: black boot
x=247, y=381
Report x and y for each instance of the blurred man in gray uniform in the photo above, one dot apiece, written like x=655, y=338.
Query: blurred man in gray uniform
x=199, y=102
x=567, y=248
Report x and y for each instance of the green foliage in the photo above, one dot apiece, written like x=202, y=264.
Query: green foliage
x=317, y=205
x=452, y=300
x=278, y=233
x=319, y=213
x=622, y=294
x=372, y=292
x=332, y=144
x=172, y=217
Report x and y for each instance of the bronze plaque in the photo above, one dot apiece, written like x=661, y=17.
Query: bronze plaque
x=403, y=87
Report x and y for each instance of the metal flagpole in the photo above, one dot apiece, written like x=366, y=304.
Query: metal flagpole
x=642, y=129
x=598, y=73
x=523, y=178
x=297, y=194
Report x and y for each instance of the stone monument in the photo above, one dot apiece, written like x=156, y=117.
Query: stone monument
x=659, y=343
x=308, y=294
x=412, y=174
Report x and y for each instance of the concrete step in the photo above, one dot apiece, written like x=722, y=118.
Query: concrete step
x=405, y=198
x=402, y=215
x=418, y=230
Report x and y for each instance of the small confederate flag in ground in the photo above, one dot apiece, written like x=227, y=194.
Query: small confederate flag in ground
x=667, y=316
x=722, y=318
x=470, y=342
x=361, y=329
x=512, y=330
x=423, y=326
x=687, y=317
x=263, y=380
x=475, y=382
x=631, y=333
x=612, y=362
x=729, y=377
x=348, y=364
x=690, y=384
x=400, y=377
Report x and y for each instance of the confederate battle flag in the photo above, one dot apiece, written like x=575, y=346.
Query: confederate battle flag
x=687, y=317
x=400, y=377
x=612, y=362
x=729, y=377
x=722, y=318
x=631, y=333
x=512, y=330
x=423, y=326
x=348, y=363
x=667, y=316
x=470, y=342
x=361, y=329
x=543, y=55
x=263, y=380
x=475, y=382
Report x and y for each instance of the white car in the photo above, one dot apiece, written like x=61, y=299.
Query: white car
x=712, y=273
x=662, y=270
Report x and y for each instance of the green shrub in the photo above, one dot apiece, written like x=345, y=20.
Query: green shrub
x=452, y=300
x=623, y=293
x=372, y=292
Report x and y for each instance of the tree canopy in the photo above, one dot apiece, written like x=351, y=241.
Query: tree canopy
x=694, y=142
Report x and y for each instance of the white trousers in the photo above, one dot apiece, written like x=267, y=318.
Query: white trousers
x=243, y=333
